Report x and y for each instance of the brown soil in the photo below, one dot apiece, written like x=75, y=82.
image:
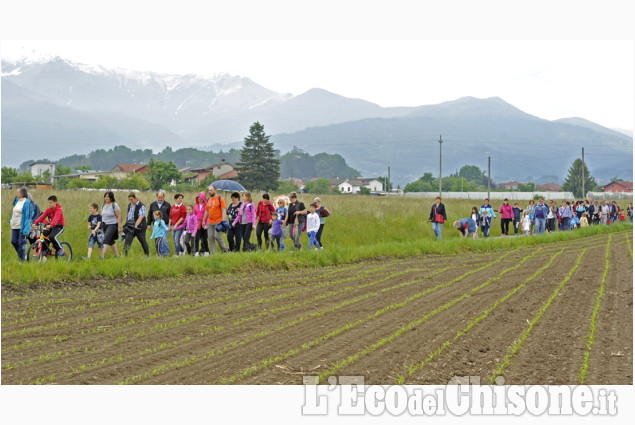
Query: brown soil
x=161, y=331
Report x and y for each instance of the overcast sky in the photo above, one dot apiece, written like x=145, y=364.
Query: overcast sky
x=549, y=79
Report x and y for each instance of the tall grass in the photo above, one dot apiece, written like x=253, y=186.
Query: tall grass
x=358, y=228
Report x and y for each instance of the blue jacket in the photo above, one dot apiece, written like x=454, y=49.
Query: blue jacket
x=545, y=210
x=25, y=225
x=158, y=229
x=490, y=211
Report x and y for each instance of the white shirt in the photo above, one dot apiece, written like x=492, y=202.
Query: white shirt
x=16, y=218
x=312, y=222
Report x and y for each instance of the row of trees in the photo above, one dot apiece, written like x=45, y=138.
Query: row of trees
x=470, y=178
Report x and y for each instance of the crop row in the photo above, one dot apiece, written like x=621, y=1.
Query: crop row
x=216, y=352
x=411, y=369
x=417, y=322
x=517, y=344
x=590, y=336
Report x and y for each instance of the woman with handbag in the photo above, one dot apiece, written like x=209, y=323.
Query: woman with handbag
x=438, y=217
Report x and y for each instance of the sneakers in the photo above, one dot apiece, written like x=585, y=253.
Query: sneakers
x=101, y=258
x=88, y=258
x=196, y=254
x=206, y=254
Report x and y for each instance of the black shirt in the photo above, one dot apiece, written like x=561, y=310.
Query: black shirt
x=298, y=206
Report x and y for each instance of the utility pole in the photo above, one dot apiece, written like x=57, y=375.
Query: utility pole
x=461, y=183
x=489, y=174
x=440, y=158
x=388, y=182
x=583, y=192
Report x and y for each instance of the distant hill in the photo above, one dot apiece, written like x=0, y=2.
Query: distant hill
x=55, y=108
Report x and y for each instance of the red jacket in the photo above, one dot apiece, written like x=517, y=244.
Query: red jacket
x=177, y=213
x=55, y=216
x=263, y=212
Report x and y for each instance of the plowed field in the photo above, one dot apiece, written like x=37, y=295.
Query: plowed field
x=560, y=313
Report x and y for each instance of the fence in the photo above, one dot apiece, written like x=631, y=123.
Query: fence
x=512, y=196
x=610, y=196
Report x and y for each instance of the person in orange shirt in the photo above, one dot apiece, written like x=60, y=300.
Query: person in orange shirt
x=215, y=212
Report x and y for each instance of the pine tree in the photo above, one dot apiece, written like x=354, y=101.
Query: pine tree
x=573, y=182
x=258, y=167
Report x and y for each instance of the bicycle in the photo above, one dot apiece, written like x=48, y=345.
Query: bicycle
x=42, y=247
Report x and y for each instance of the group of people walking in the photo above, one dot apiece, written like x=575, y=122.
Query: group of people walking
x=536, y=218
x=195, y=228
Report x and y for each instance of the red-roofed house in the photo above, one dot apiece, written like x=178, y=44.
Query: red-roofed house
x=619, y=186
x=549, y=187
x=508, y=185
x=121, y=171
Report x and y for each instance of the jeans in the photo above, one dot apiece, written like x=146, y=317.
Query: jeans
x=437, y=228
x=176, y=238
x=540, y=226
x=18, y=240
x=485, y=230
x=189, y=242
x=297, y=232
x=516, y=224
x=313, y=240
x=566, y=223
x=234, y=236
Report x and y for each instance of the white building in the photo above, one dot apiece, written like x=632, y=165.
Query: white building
x=354, y=186
x=39, y=168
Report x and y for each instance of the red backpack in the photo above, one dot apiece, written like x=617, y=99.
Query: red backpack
x=264, y=212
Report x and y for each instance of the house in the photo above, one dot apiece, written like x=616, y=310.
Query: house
x=39, y=168
x=121, y=171
x=354, y=185
x=221, y=170
x=90, y=175
x=619, y=186
x=549, y=187
x=508, y=185
x=298, y=183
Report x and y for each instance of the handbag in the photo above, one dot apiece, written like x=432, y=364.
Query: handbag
x=438, y=218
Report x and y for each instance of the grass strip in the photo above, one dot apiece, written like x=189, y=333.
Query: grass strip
x=14, y=273
x=590, y=336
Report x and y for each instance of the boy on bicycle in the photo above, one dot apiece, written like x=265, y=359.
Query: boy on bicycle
x=54, y=219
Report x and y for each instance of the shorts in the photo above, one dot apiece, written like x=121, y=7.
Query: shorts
x=96, y=238
x=111, y=233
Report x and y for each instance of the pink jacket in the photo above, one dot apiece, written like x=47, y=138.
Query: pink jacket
x=191, y=224
x=507, y=211
x=250, y=213
x=199, y=210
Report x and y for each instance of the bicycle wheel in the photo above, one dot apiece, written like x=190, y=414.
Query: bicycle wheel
x=34, y=253
x=68, y=252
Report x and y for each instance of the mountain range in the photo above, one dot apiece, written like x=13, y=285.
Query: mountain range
x=54, y=107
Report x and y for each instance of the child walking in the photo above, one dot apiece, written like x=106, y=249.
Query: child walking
x=282, y=214
x=517, y=212
x=526, y=223
x=191, y=227
x=276, y=231
x=159, y=229
x=96, y=232
x=312, y=226
x=486, y=223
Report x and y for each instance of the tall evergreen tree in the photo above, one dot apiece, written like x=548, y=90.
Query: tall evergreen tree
x=258, y=166
x=573, y=182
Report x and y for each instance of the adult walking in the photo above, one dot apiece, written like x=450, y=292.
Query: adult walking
x=296, y=217
x=178, y=214
x=552, y=217
x=21, y=222
x=111, y=220
x=438, y=217
x=531, y=209
x=215, y=212
x=466, y=227
x=201, y=233
x=136, y=224
x=234, y=235
x=322, y=212
x=597, y=212
x=164, y=206
x=566, y=214
x=246, y=219
x=263, y=218
x=507, y=215
x=604, y=216
x=540, y=216
x=590, y=210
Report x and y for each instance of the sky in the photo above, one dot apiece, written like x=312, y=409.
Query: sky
x=546, y=78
